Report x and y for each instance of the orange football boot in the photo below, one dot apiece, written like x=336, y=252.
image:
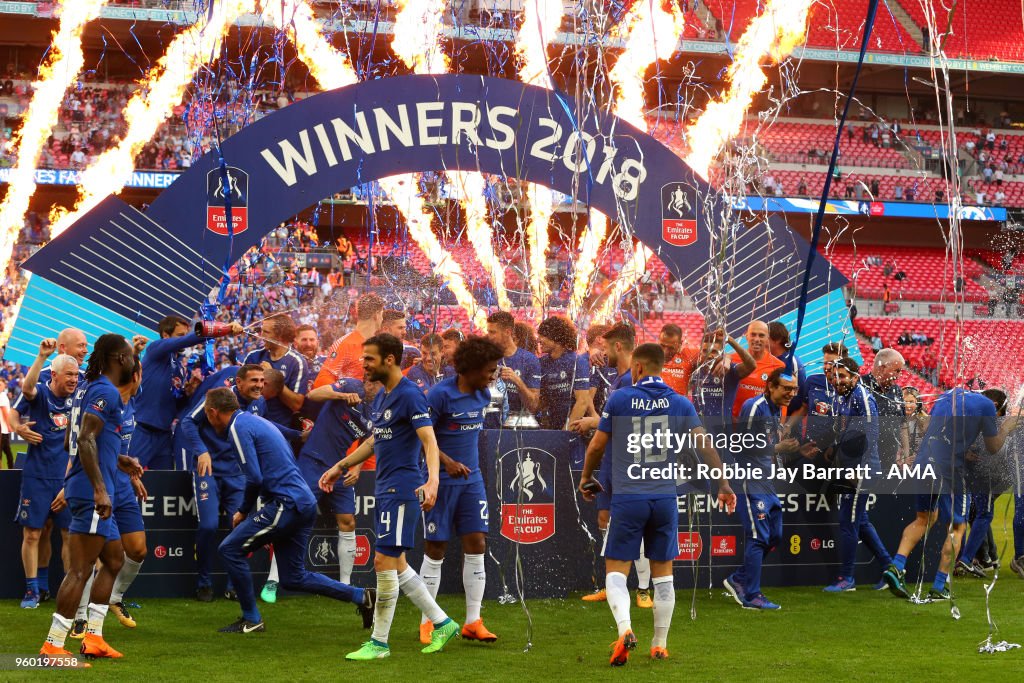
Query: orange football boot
x=596, y=596
x=659, y=653
x=477, y=631
x=48, y=650
x=426, y=628
x=621, y=649
x=94, y=646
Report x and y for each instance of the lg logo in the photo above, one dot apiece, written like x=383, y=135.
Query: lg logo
x=160, y=552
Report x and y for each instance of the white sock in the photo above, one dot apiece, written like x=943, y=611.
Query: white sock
x=643, y=570
x=83, y=605
x=346, y=555
x=59, y=628
x=618, y=600
x=430, y=573
x=384, y=610
x=474, y=580
x=664, y=604
x=412, y=585
x=129, y=570
x=97, y=613
x=273, y=570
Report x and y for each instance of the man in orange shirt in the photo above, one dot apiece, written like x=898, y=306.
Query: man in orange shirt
x=679, y=360
x=345, y=357
x=754, y=384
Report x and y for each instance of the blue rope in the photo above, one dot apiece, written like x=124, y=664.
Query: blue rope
x=820, y=216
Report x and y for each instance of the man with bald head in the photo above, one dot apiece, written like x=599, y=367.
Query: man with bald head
x=72, y=342
x=753, y=385
x=888, y=397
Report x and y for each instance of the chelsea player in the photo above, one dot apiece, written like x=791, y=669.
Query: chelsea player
x=644, y=508
x=758, y=504
x=217, y=479
x=341, y=423
x=44, y=406
x=93, y=441
x=163, y=392
x=285, y=517
x=457, y=407
x=400, y=420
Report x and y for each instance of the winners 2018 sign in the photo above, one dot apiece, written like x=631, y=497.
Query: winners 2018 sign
x=120, y=265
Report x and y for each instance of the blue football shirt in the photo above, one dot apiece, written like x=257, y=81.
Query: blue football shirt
x=46, y=460
x=102, y=399
x=458, y=419
x=394, y=418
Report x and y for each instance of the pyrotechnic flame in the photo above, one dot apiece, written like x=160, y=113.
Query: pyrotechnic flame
x=479, y=231
x=64, y=62
x=651, y=33
x=632, y=270
x=154, y=101
x=773, y=35
x=586, y=260
x=403, y=192
x=330, y=67
x=540, y=22
x=541, y=207
x=417, y=42
x=417, y=36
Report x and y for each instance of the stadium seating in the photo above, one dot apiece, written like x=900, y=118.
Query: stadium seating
x=928, y=276
x=989, y=30
x=830, y=25
x=924, y=187
x=791, y=141
x=964, y=353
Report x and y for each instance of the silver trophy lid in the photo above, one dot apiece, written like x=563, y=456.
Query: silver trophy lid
x=522, y=419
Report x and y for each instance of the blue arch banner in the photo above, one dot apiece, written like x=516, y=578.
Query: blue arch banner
x=142, y=266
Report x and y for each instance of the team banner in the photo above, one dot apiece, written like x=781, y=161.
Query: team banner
x=537, y=522
x=293, y=158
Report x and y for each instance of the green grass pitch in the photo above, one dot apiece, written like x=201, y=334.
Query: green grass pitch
x=855, y=636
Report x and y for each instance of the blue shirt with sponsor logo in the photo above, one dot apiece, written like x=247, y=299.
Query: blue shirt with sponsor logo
x=760, y=418
x=163, y=374
x=339, y=426
x=560, y=378
x=311, y=409
x=713, y=396
x=421, y=378
x=46, y=460
x=527, y=367
x=821, y=400
x=458, y=419
x=296, y=373
x=102, y=399
x=394, y=418
x=648, y=407
x=266, y=459
x=122, y=481
x=857, y=443
x=127, y=427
